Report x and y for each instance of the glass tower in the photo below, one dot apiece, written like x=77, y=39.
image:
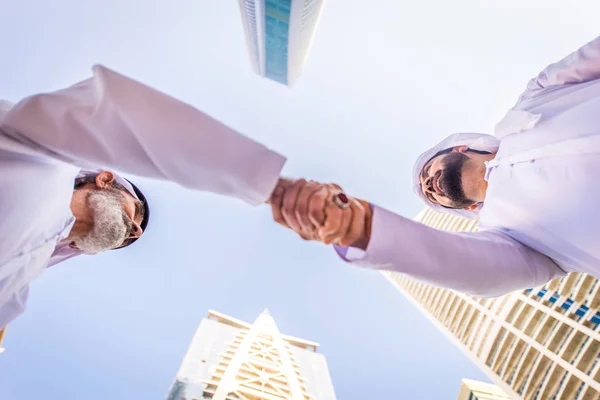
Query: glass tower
x=278, y=35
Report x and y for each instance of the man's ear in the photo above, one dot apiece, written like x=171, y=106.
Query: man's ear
x=460, y=149
x=105, y=179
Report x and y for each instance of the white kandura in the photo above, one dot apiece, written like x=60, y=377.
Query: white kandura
x=539, y=219
x=106, y=122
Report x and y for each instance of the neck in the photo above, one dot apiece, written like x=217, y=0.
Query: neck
x=83, y=217
x=479, y=175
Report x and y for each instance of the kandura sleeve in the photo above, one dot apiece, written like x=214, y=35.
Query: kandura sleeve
x=115, y=122
x=485, y=263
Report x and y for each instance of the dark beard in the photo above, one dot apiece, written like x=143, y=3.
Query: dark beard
x=451, y=180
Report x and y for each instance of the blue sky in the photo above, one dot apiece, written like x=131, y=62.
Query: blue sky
x=382, y=82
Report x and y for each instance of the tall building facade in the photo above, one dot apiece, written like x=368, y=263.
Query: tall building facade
x=541, y=343
x=475, y=390
x=229, y=359
x=279, y=34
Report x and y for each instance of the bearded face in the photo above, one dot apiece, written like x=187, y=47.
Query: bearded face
x=111, y=225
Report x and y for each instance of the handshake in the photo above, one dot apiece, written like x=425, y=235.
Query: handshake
x=322, y=212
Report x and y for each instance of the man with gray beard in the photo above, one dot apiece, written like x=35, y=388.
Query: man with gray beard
x=110, y=225
x=105, y=225
x=55, y=202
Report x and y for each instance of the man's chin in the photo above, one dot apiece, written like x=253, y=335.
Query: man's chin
x=91, y=248
x=461, y=205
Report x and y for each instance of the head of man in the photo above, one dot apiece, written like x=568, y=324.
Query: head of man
x=108, y=215
x=454, y=178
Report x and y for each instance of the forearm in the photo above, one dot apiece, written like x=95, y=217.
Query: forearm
x=580, y=66
x=479, y=263
x=112, y=121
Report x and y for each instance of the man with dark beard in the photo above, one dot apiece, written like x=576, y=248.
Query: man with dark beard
x=533, y=186
x=442, y=177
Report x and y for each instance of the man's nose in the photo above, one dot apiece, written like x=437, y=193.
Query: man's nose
x=429, y=184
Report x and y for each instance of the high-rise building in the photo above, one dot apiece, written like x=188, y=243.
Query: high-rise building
x=229, y=359
x=476, y=390
x=540, y=343
x=279, y=34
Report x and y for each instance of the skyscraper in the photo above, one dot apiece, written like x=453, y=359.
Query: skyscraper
x=540, y=343
x=279, y=34
x=229, y=359
x=475, y=390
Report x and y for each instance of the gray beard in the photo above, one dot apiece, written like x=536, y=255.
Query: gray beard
x=111, y=226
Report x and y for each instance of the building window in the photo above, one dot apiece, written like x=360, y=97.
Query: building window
x=542, y=292
x=554, y=298
x=596, y=318
x=594, y=286
x=567, y=304
x=562, y=382
x=580, y=390
x=581, y=311
x=596, y=361
x=581, y=347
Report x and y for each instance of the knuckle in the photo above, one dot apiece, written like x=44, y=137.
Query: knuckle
x=357, y=204
x=285, y=215
x=315, y=214
x=301, y=208
x=300, y=182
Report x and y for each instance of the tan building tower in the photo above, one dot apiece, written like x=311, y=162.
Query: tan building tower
x=541, y=343
x=229, y=359
x=476, y=390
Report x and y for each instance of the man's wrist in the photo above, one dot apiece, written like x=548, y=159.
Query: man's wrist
x=363, y=241
x=279, y=189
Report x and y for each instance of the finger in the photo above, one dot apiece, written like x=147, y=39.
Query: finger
x=336, y=187
x=303, y=207
x=357, y=226
x=334, y=231
x=276, y=201
x=316, y=206
x=290, y=197
x=334, y=218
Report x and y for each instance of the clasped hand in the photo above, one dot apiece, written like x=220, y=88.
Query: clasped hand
x=309, y=209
